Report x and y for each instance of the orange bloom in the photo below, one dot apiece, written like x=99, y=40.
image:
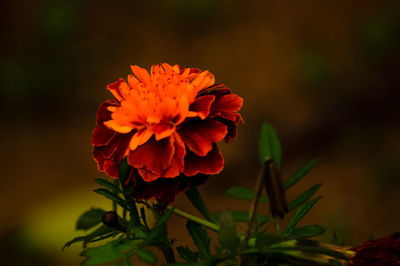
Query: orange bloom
x=167, y=122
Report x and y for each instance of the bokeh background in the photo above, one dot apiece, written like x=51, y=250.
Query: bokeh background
x=326, y=74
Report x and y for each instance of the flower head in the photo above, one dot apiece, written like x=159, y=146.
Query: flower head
x=167, y=123
x=383, y=251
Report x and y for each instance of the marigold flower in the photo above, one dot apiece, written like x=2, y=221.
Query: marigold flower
x=167, y=123
x=383, y=251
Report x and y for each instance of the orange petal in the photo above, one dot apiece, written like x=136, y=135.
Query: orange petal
x=142, y=75
x=203, y=80
x=140, y=138
x=163, y=130
x=112, y=124
x=114, y=88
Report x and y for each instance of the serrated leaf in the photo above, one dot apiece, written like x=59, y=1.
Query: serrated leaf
x=299, y=214
x=244, y=194
x=187, y=254
x=243, y=216
x=227, y=234
x=303, y=197
x=195, y=198
x=200, y=238
x=300, y=173
x=102, y=230
x=156, y=232
x=112, y=196
x=107, y=184
x=307, y=231
x=269, y=145
x=147, y=256
x=89, y=219
x=111, y=251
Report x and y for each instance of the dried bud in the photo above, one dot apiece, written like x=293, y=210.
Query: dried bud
x=275, y=190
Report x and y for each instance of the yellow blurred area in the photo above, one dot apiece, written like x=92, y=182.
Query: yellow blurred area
x=325, y=74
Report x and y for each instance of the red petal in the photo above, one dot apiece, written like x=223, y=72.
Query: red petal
x=177, y=162
x=114, y=88
x=101, y=135
x=213, y=163
x=229, y=103
x=202, y=105
x=153, y=156
x=199, y=135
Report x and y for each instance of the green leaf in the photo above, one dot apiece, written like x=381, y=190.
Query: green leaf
x=335, y=263
x=299, y=214
x=195, y=198
x=200, y=263
x=244, y=194
x=107, y=184
x=187, y=254
x=101, y=231
x=200, y=238
x=227, y=235
x=243, y=216
x=156, y=232
x=269, y=145
x=139, y=232
x=302, y=172
x=307, y=231
x=112, y=196
x=113, y=250
x=89, y=219
x=124, y=170
x=147, y=256
x=303, y=197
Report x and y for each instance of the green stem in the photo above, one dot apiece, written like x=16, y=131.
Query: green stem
x=195, y=219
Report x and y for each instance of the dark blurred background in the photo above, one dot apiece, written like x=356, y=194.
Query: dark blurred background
x=326, y=74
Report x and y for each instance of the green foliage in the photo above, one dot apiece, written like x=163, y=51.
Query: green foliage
x=187, y=254
x=146, y=255
x=112, y=196
x=89, y=219
x=244, y=194
x=114, y=250
x=200, y=239
x=299, y=214
x=195, y=198
x=107, y=184
x=302, y=172
x=100, y=232
x=123, y=173
x=242, y=216
x=269, y=145
x=227, y=235
x=156, y=232
x=303, y=197
x=307, y=231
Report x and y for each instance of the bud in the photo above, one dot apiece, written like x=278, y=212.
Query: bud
x=274, y=188
x=110, y=219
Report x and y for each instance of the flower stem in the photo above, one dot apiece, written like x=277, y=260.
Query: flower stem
x=195, y=219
